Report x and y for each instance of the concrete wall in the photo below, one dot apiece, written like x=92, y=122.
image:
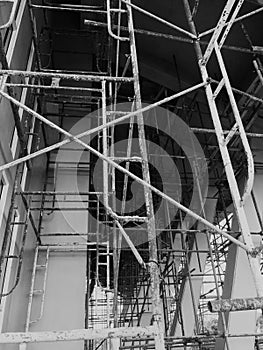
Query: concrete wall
x=65, y=298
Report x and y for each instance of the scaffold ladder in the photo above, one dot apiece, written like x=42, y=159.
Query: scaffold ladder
x=215, y=44
x=38, y=289
x=149, y=219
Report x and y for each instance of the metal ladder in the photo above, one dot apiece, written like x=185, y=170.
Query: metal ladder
x=40, y=268
x=20, y=224
x=216, y=42
x=149, y=219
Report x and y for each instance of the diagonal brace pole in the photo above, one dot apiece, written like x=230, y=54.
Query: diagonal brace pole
x=125, y=171
x=131, y=245
x=91, y=131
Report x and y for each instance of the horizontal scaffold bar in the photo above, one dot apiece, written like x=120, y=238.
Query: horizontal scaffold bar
x=240, y=304
x=76, y=334
x=48, y=87
x=76, y=77
x=131, y=333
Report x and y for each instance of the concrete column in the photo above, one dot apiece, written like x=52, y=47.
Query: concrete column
x=238, y=284
x=238, y=278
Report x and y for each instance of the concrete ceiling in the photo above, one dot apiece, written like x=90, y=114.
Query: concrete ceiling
x=178, y=59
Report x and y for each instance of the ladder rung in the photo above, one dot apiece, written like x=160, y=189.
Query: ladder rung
x=40, y=266
x=38, y=291
x=31, y=133
x=31, y=322
x=128, y=159
x=125, y=11
x=133, y=218
x=18, y=223
x=117, y=112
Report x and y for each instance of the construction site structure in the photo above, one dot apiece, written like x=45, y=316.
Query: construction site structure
x=131, y=182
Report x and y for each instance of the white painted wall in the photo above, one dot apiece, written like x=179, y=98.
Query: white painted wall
x=65, y=299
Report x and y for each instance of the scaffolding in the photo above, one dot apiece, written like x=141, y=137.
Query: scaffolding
x=130, y=284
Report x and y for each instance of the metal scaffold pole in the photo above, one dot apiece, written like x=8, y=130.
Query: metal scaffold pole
x=153, y=257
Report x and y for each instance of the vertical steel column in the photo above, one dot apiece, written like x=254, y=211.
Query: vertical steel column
x=106, y=203
x=105, y=147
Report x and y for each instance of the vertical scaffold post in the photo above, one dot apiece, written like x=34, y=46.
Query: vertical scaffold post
x=153, y=258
